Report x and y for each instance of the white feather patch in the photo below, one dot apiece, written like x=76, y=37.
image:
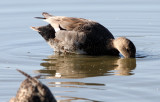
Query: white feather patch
x=56, y=29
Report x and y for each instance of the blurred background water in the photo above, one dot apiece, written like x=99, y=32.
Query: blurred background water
x=83, y=78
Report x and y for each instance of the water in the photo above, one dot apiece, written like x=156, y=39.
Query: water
x=83, y=78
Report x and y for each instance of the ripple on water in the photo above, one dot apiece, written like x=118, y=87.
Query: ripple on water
x=83, y=78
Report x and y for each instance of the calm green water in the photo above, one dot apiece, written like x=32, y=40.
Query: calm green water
x=83, y=78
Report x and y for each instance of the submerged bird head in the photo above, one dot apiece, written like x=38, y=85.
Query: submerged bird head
x=46, y=32
x=125, y=47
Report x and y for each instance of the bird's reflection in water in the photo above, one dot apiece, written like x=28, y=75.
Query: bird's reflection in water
x=81, y=66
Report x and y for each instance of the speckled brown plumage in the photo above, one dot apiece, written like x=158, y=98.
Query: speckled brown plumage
x=32, y=90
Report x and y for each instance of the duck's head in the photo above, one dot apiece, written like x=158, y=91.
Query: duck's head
x=125, y=47
x=46, y=32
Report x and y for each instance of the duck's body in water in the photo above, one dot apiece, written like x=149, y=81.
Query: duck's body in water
x=32, y=90
x=82, y=36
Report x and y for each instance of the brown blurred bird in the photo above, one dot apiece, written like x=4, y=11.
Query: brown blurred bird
x=32, y=90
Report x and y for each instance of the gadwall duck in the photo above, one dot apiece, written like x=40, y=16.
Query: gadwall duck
x=82, y=36
x=32, y=90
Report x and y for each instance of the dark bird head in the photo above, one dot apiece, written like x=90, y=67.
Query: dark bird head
x=47, y=32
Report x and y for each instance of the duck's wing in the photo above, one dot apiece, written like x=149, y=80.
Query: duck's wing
x=77, y=25
x=65, y=23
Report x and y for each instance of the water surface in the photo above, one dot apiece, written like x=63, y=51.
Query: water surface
x=80, y=78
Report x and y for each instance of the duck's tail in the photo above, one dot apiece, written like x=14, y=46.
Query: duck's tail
x=45, y=14
x=40, y=17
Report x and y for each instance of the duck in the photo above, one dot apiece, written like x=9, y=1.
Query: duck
x=82, y=36
x=32, y=90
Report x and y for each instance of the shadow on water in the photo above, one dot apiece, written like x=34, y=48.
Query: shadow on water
x=80, y=66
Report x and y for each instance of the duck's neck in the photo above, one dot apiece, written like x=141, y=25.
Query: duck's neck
x=111, y=49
